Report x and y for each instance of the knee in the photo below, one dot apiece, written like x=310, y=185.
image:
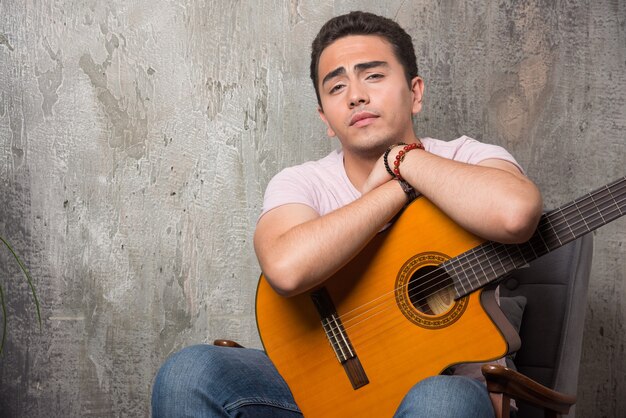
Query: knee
x=183, y=372
x=448, y=396
x=451, y=385
x=194, y=363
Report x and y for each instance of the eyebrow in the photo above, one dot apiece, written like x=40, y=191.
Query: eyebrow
x=357, y=68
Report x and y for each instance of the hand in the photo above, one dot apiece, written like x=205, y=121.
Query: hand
x=379, y=174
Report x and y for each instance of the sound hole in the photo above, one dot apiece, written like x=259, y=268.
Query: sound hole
x=430, y=290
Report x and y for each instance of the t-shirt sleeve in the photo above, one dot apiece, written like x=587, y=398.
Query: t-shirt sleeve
x=286, y=187
x=473, y=152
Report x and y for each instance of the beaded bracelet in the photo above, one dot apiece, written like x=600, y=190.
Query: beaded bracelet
x=387, y=155
x=400, y=157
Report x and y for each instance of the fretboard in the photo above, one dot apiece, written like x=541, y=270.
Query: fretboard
x=490, y=260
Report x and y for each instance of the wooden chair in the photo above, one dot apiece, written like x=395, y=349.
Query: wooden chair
x=504, y=384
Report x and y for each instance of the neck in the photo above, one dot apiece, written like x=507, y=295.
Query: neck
x=358, y=168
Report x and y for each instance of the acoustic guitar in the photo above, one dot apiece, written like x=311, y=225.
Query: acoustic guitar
x=417, y=300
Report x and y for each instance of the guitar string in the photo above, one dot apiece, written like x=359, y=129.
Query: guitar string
x=565, y=210
x=435, y=278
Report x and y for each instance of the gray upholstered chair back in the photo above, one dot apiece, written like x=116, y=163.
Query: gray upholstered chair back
x=555, y=287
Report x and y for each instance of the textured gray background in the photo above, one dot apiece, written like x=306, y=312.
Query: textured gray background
x=136, y=139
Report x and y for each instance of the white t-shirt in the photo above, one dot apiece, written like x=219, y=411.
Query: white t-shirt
x=324, y=185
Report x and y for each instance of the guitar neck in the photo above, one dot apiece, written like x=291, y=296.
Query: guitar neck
x=490, y=260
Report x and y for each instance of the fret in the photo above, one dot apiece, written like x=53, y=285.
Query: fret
x=600, y=217
x=496, y=249
x=507, y=247
x=495, y=253
x=517, y=247
x=504, y=269
x=529, y=244
x=575, y=218
x=552, y=232
x=455, y=263
x=468, y=266
x=493, y=274
x=615, y=201
x=504, y=255
x=596, y=215
x=582, y=217
x=562, y=234
x=478, y=273
x=462, y=265
x=539, y=244
x=605, y=200
x=543, y=241
x=528, y=253
x=599, y=212
x=542, y=233
x=450, y=267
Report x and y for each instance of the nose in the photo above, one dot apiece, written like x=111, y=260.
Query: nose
x=358, y=96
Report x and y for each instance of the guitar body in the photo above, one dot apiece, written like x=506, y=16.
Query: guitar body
x=397, y=340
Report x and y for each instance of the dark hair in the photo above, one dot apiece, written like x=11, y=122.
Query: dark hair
x=364, y=23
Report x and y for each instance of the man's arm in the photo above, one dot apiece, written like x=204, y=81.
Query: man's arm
x=298, y=249
x=492, y=199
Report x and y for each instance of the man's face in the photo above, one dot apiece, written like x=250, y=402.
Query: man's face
x=365, y=99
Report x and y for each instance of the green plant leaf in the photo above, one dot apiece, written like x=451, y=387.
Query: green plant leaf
x=32, y=289
x=4, y=319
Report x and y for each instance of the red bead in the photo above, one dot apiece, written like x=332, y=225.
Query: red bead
x=400, y=157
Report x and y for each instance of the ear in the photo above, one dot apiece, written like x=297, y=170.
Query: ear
x=329, y=130
x=417, y=88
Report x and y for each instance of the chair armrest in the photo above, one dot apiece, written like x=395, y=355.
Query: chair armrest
x=227, y=343
x=515, y=385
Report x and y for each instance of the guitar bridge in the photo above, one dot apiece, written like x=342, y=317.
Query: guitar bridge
x=338, y=338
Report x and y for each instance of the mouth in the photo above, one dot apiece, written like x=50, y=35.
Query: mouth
x=362, y=118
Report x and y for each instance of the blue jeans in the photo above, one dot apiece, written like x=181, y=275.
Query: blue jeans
x=210, y=381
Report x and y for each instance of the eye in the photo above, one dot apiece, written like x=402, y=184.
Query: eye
x=374, y=76
x=336, y=88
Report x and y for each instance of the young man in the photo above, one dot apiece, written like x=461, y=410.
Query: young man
x=319, y=215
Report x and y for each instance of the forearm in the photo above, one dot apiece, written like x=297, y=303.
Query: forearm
x=310, y=252
x=490, y=202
